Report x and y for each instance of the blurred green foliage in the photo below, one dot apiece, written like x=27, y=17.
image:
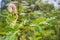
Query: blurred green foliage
x=36, y=21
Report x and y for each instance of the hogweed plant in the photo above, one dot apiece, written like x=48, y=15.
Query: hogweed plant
x=31, y=23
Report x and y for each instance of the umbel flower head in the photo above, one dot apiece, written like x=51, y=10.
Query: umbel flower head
x=12, y=8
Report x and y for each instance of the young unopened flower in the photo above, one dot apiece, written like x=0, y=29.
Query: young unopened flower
x=12, y=8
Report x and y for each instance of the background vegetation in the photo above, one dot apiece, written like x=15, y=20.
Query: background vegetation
x=32, y=20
